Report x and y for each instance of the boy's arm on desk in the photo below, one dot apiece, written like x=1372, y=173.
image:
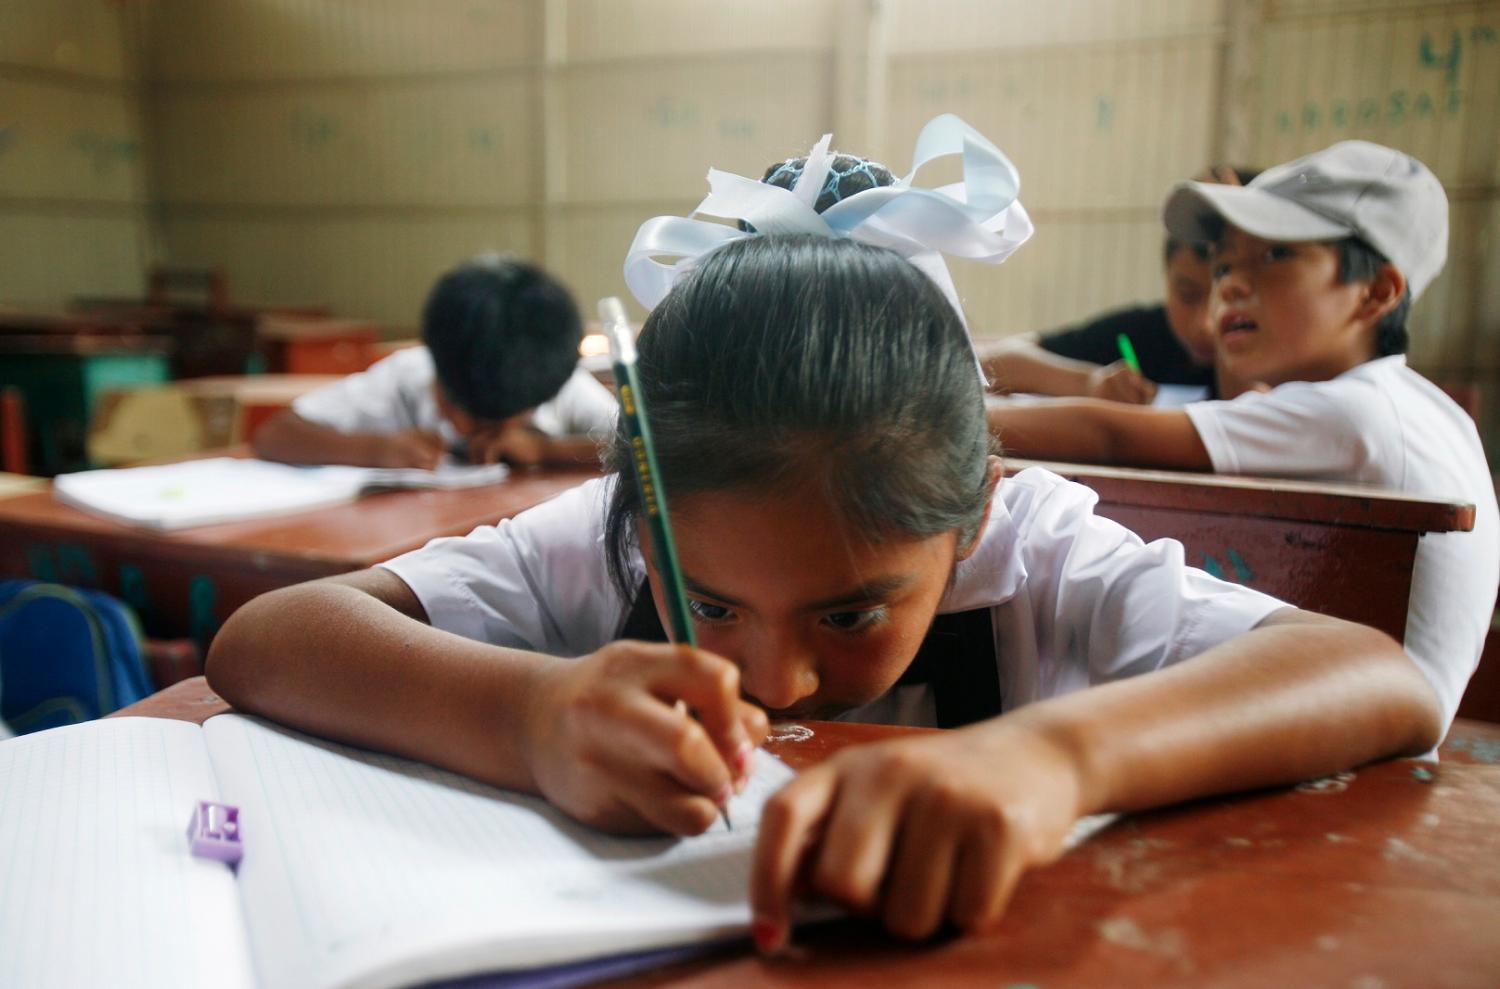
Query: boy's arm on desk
x=291, y=439
x=1097, y=432
x=1020, y=364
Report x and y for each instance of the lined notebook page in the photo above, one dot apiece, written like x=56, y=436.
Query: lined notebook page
x=363, y=869
x=96, y=883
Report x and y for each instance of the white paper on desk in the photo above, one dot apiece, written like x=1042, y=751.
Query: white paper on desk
x=363, y=869
x=230, y=489
x=1176, y=396
x=359, y=869
x=96, y=886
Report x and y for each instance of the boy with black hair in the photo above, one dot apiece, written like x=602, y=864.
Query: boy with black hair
x=1316, y=263
x=498, y=379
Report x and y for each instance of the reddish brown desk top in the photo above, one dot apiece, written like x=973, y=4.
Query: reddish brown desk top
x=187, y=583
x=1267, y=498
x=347, y=536
x=1388, y=877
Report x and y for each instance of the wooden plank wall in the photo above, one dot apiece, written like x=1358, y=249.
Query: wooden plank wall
x=72, y=168
x=346, y=151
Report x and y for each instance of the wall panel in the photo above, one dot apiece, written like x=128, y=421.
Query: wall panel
x=947, y=25
x=635, y=131
x=376, y=266
x=72, y=160
x=217, y=40
x=609, y=29
x=463, y=140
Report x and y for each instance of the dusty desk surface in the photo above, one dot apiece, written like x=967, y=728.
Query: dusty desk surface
x=1387, y=877
x=186, y=582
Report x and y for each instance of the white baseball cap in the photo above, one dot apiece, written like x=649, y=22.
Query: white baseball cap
x=1386, y=198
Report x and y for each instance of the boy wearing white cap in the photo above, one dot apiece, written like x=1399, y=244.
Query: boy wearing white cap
x=1316, y=263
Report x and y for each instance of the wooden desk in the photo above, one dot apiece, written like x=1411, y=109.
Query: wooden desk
x=1389, y=877
x=186, y=583
x=1340, y=549
x=62, y=365
x=209, y=335
x=312, y=345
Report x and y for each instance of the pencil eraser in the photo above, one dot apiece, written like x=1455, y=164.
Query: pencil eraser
x=214, y=832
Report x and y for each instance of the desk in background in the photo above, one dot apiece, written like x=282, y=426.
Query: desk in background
x=188, y=417
x=1388, y=876
x=185, y=583
x=62, y=365
x=192, y=306
x=1343, y=550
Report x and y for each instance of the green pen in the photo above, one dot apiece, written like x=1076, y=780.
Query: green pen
x=648, y=474
x=1127, y=351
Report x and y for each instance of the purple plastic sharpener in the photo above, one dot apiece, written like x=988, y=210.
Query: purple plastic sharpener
x=214, y=832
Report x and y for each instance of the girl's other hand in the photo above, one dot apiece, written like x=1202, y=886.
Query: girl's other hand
x=1118, y=383
x=916, y=831
x=608, y=743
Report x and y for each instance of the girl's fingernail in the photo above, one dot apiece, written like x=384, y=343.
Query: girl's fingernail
x=769, y=937
x=725, y=792
x=741, y=783
x=742, y=757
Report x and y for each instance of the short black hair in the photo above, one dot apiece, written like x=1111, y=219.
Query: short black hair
x=785, y=358
x=1359, y=262
x=503, y=334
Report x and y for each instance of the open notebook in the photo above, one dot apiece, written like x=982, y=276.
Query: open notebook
x=229, y=489
x=359, y=869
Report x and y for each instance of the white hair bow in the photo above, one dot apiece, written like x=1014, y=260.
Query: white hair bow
x=978, y=218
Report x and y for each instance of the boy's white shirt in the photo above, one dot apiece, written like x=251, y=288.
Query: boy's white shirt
x=395, y=394
x=1076, y=599
x=1382, y=423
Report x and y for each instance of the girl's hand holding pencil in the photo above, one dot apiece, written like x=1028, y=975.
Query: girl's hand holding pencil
x=607, y=741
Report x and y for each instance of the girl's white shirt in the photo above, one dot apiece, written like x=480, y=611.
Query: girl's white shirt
x=1075, y=599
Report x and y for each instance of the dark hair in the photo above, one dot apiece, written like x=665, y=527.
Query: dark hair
x=1359, y=262
x=789, y=358
x=847, y=175
x=503, y=334
x=1172, y=245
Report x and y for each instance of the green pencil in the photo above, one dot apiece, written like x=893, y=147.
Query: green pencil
x=1127, y=351
x=647, y=473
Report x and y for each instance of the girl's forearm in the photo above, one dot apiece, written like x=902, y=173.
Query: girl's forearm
x=1300, y=696
x=334, y=660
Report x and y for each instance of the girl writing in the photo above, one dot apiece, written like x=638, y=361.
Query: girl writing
x=849, y=550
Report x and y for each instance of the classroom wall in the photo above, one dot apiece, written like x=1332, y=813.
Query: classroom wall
x=346, y=151
x=72, y=166
x=343, y=152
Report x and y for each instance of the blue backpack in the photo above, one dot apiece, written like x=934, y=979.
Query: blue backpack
x=66, y=655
